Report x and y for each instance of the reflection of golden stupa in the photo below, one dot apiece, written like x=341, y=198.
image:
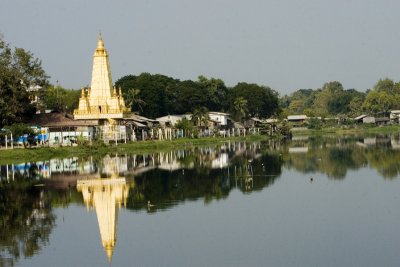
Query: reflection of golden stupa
x=101, y=101
x=104, y=195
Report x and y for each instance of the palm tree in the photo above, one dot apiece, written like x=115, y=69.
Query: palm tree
x=132, y=98
x=200, y=116
x=240, y=107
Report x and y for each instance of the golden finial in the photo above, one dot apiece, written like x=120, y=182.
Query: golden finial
x=115, y=92
x=100, y=44
x=120, y=91
x=83, y=92
x=88, y=92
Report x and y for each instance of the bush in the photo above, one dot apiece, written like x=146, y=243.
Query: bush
x=314, y=123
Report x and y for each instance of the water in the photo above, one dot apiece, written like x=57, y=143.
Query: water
x=310, y=202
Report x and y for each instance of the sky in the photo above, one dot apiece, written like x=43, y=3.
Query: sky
x=284, y=44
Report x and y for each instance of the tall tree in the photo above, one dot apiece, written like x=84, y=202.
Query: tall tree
x=262, y=101
x=153, y=90
x=216, y=93
x=19, y=70
x=133, y=100
x=200, y=116
x=379, y=102
x=59, y=98
x=240, y=107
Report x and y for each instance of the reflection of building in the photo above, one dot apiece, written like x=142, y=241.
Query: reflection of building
x=104, y=195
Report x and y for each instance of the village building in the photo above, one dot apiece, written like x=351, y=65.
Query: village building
x=58, y=128
x=220, y=117
x=173, y=119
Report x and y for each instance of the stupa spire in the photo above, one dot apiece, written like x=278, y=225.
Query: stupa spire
x=100, y=43
x=102, y=101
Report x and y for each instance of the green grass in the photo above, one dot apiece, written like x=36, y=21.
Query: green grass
x=19, y=155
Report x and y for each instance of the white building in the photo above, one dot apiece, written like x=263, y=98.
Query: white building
x=220, y=117
x=173, y=119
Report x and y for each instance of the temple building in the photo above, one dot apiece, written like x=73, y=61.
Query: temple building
x=101, y=101
x=101, y=113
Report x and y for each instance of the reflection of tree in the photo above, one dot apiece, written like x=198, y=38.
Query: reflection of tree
x=386, y=161
x=167, y=188
x=335, y=156
x=331, y=160
x=26, y=221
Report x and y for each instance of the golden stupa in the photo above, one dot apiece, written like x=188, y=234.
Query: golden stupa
x=101, y=100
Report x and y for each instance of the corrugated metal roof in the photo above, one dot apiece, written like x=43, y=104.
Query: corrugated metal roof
x=297, y=117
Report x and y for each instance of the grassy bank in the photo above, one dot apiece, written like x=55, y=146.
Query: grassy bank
x=358, y=130
x=19, y=155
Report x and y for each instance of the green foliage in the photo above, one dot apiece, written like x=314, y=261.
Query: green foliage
x=19, y=129
x=26, y=228
x=184, y=124
x=200, y=116
x=284, y=129
x=262, y=101
x=379, y=102
x=240, y=108
x=314, y=123
x=19, y=70
x=164, y=95
x=330, y=100
x=58, y=98
x=151, y=89
x=133, y=100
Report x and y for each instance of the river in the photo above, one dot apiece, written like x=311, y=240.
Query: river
x=313, y=201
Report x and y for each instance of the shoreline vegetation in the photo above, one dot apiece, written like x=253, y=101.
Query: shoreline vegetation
x=19, y=155
x=361, y=129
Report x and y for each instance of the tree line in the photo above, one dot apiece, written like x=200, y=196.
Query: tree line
x=333, y=100
x=156, y=95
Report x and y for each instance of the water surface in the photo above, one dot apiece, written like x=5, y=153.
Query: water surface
x=309, y=202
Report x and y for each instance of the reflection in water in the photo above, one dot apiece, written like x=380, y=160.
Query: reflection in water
x=156, y=182
x=26, y=220
x=106, y=197
x=335, y=156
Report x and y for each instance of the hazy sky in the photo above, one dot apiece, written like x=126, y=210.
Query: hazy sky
x=285, y=44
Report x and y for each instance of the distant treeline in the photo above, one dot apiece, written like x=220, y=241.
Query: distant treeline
x=155, y=95
x=332, y=100
x=158, y=95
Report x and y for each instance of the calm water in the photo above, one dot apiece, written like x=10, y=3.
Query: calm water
x=309, y=202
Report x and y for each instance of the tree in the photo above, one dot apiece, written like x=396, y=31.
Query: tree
x=325, y=102
x=19, y=70
x=356, y=106
x=200, y=116
x=262, y=101
x=186, y=96
x=153, y=90
x=132, y=99
x=385, y=85
x=184, y=124
x=59, y=98
x=216, y=93
x=240, y=107
x=379, y=102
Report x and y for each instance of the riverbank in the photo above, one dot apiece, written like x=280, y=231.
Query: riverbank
x=19, y=155
x=357, y=130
